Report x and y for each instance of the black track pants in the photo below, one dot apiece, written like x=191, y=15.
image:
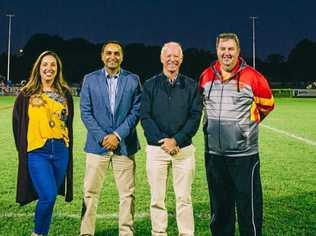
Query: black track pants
x=234, y=183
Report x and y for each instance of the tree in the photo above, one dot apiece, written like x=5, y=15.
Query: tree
x=80, y=57
x=275, y=68
x=301, y=62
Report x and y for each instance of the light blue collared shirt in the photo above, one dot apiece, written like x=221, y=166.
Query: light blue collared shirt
x=111, y=81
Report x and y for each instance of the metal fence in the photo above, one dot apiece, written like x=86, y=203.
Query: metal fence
x=14, y=90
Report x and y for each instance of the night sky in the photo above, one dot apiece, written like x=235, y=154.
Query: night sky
x=281, y=24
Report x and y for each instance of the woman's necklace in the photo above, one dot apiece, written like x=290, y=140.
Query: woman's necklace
x=51, y=122
x=37, y=100
x=50, y=111
x=62, y=115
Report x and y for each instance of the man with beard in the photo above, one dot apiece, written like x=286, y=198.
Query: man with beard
x=236, y=99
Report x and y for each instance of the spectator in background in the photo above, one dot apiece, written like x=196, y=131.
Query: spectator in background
x=312, y=85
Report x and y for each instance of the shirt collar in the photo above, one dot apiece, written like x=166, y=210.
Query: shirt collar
x=173, y=80
x=108, y=76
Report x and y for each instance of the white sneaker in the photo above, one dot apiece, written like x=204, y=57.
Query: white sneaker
x=35, y=234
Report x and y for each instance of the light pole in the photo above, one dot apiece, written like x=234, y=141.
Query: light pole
x=9, y=46
x=253, y=18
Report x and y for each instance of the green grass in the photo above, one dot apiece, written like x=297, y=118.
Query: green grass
x=288, y=169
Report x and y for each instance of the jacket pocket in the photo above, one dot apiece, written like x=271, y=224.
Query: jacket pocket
x=232, y=137
x=211, y=131
x=225, y=136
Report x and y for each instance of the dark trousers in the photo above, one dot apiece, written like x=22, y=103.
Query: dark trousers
x=234, y=183
x=47, y=167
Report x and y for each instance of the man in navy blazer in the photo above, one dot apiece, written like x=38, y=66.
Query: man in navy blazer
x=110, y=107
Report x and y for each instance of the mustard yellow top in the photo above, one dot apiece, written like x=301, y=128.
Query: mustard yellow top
x=47, y=116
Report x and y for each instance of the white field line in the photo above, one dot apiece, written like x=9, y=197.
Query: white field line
x=72, y=216
x=305, y=140
x=5, y=107
x=110, y=216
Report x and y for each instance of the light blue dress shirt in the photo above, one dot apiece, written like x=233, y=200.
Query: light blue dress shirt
x=111, y=81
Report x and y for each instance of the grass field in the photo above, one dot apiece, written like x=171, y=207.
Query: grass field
x=288, y=170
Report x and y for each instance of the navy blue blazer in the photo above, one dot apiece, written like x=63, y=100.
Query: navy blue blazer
x=96, y=112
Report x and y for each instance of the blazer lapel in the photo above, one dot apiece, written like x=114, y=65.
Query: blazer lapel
x=104, y=92
x=121, y=83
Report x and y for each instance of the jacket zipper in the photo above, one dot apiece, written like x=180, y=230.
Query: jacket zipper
x=219, y=118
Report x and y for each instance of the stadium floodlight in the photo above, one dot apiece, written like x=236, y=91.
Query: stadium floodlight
x=9, y=46
x=253, y=18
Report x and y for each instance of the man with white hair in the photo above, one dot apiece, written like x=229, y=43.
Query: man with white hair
x=170, y=115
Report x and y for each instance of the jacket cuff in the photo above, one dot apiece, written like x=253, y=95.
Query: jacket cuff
x=117, y=135
x=100, y=139
x=179, y=139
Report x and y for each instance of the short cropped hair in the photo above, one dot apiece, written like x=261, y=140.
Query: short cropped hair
x=228, y=36
x=168, y=43
x=112, y=42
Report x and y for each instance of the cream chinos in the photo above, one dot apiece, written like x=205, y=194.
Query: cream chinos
x=124, y=175
x=183, y=167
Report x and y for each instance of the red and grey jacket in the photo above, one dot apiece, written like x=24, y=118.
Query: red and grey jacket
x=233, y=109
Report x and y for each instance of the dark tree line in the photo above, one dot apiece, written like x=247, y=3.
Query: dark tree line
x=80, y=57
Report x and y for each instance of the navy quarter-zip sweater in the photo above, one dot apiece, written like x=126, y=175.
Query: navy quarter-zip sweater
x=170, y=111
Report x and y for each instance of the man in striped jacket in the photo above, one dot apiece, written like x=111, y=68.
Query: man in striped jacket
x=236, y=99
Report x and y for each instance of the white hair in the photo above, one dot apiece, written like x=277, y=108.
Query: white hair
x=164, y=47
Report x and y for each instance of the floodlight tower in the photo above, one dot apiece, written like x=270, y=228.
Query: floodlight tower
x=9, y=45
x=253, y=18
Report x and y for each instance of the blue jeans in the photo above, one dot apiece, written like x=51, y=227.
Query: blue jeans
x=47, y=167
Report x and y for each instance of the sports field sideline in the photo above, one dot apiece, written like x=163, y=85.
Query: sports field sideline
x=288, y=171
